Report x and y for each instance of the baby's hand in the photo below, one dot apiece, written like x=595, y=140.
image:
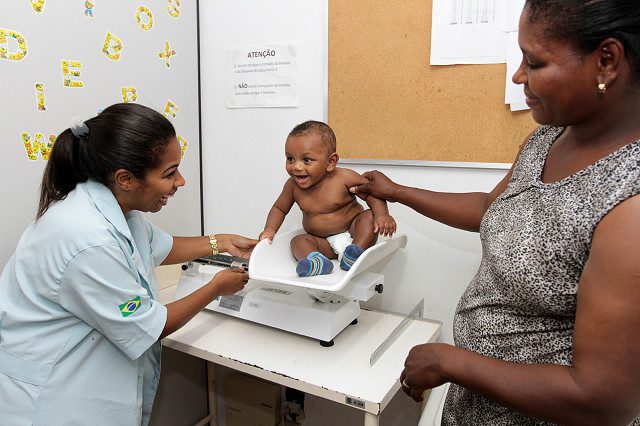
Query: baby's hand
x=384, y=224
x=267, y=233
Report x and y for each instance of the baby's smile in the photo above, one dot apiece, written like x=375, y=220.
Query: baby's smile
x=301, y=179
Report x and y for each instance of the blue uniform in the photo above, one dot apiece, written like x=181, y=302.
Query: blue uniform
x=80, y=317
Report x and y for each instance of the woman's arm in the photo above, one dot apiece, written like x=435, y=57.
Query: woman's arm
x=463, y=210
x=185, y=249
x=602, y=386
x=227, y=281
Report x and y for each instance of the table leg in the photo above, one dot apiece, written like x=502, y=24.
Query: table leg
x=371, y=419
x=211, y=393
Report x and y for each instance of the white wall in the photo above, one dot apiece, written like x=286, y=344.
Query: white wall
x=243, y=149
x=61, y=30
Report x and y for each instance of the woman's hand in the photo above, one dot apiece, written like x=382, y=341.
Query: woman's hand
x=229, y=281
x=236, y=245
x=422, y=369
x=379, y=185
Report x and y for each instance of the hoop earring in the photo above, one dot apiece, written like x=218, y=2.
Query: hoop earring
x=602, y=87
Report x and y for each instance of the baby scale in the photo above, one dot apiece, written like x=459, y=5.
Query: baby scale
x=319, y=307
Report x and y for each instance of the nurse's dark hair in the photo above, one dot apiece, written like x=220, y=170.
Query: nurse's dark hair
x=312, y=127
x=586, y=24
x=123, y=136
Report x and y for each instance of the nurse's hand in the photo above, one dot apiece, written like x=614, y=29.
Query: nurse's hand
x=229, y=281
x=236, y=245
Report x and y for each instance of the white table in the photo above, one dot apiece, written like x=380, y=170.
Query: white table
x=340, y=373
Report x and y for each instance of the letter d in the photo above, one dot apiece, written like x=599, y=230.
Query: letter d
x=22, y=45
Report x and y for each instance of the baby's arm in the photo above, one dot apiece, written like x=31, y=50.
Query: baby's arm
x=278, y=212
x=384, y=223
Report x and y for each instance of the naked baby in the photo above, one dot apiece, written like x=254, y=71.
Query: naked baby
x=336, y=225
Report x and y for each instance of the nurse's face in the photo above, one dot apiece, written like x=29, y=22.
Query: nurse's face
x=160, y=183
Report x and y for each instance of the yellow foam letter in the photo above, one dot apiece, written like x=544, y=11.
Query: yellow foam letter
x=88, y=8
x=116, y=46
x=22, y=45
x=144, y=10
x=170, y=109
x=174, y=8
x=167, y=53
x=38, y=145
x=126, y=91
x=183, y=145
x=40, y=96
x=37, y=5
x=68, y=74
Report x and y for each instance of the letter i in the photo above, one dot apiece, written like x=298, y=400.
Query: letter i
x=40, y=96
x=183, y=145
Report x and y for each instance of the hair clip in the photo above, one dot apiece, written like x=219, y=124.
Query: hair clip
x=78, y=128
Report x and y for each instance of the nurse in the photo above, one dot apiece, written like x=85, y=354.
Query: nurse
x=80, y=321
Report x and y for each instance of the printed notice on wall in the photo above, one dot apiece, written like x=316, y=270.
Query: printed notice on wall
x=262, y=76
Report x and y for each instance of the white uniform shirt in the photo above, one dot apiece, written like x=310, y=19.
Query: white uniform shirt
x=80, y=317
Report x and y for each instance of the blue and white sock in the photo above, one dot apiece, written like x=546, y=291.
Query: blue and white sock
x=314, y=264
x=350, y=255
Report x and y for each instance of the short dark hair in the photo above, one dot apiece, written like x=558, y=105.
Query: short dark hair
x=312, y=127
x=126, y=136
x=586, y=24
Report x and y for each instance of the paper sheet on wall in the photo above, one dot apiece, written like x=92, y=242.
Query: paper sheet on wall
x=513, y=93
x=262, y=76
x=467, y=32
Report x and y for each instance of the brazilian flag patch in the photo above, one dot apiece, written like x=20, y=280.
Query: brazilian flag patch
x=127, y=308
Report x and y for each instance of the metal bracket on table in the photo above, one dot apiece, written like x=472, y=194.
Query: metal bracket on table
x=415, y=313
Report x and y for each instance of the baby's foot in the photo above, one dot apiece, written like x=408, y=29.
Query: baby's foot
x=350, y=255
x=314, y=264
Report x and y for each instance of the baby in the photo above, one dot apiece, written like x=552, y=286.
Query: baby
x=337, y=226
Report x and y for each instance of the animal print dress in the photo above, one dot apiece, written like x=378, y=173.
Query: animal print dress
x=536, y=238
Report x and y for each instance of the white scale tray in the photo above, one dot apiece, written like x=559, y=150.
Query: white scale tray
x=275, y=263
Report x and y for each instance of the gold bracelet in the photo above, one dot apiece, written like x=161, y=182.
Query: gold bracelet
x=214, y=244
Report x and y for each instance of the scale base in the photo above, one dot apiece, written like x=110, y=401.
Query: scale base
x=291, y=309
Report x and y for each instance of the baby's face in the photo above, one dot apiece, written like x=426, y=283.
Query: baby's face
x=307, y=159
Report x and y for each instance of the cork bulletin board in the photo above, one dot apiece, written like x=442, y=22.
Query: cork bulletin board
x=386, y=102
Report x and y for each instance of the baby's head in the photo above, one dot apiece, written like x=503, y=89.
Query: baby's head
x=311, y=153
x=311, y=127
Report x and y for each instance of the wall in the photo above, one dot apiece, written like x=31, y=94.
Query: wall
x=243, y=149
x=111, y=51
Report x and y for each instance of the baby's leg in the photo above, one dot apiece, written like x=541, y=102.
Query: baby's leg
x=303, y=244
x=361, y=230
x=313, y=255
